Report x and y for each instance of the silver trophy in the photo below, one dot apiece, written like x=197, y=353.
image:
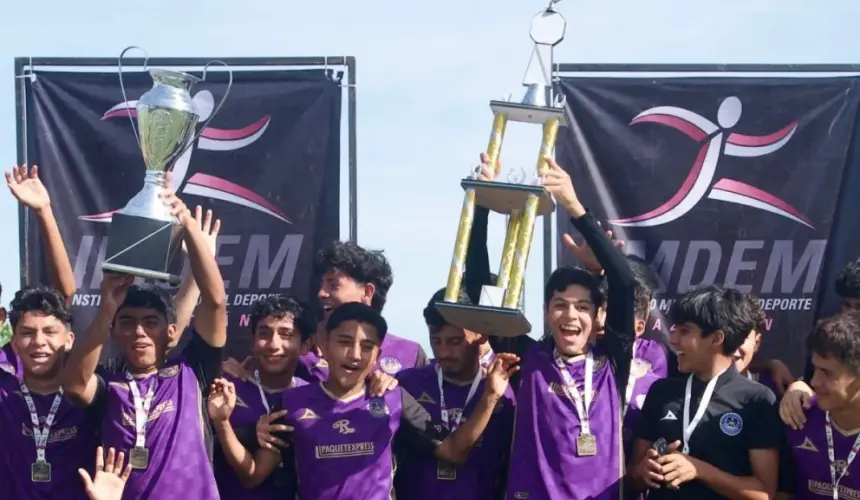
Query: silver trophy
x=144, y=238
x=521, y=199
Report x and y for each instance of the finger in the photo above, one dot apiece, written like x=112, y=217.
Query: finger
x=230, y=387
x=653, y=478
x=551, y=162
x=207, y=222
x=807, y=403
x=485, y=158
x=248, y=363
x=675, y=446
x=274, y=416
x=275, y=442
x=34, y=172
x=198, y=214
x=9, y=178
x=111, y=456
x=652, y=454
x=271, y=429
x=120, y=461
x=168, y=180
x=569, y=242
x=618, y=243
x=100, y=459
x=88, y=481
x=126, y=472
x=216, y=228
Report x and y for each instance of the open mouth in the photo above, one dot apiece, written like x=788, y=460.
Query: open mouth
x=570, y=330
x=40, y=356
x=274, y=358
x=351, y=368
x=140, y=346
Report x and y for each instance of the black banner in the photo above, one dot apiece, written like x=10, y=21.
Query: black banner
x=732, y=181
x=268, y=166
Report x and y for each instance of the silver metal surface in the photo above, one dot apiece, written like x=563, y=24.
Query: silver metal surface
x=147, y=202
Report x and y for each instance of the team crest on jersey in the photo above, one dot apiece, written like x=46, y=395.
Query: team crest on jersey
x=8, y=368
x=170, y=371
x=377, y=407
x=308, y=414
x=640, y=367
x=841, y=467
x=807, y=445
x=731, y=424
x=425, y=398
x=598, y=363
x=640, y=401
x=390, y=365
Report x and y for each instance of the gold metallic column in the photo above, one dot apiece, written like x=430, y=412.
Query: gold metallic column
x=511, y=236
x=467, y=214
x=527, y=226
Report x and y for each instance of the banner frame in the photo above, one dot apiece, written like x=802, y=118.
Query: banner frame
x=336, y=66
x=682, y=70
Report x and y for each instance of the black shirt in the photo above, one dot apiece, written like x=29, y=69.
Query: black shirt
x=741, y=416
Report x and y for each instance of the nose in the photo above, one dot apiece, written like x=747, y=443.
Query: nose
x=322, y=293
x=354, y=352
x=40, y=338
x=139, y=331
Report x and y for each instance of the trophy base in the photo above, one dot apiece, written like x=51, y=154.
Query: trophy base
x=487, y=320
x=144, y=247
x=525, y=113
x=506, y=198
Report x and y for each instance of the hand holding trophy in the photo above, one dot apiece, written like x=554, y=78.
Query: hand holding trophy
x=499, y=310
x=145, y=238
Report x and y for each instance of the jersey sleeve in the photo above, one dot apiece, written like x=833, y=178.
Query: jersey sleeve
x=204, y=359
x=98, y=406
x=647, y=425
x=765, y=429
x=418, y=431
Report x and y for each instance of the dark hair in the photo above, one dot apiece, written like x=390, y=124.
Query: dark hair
x=362, y=313
x=148, y=296
x=565, y=277
x=759, y=317
x=838, y=338
x=434, y=319
x=848, y=281
x=359, y=264
x=304, y=318
x=714, y=308
x=46, y=300
x=645, y=284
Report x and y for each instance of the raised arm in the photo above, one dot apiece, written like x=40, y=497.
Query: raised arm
x=210, y=320
x=29, y=191
x=80, y=382
x=189, y=293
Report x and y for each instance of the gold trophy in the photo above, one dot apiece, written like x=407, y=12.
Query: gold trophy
x=498, y=312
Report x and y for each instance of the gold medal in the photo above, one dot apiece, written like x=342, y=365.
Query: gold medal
x=446, y=471
x=139, y=457
x=586, y=445
x=40, y=472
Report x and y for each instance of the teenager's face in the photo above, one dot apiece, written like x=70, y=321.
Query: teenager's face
x=41, y=342
x=694, y=351
x=143, y=334
x=572, y=319
x=745, y=353
x=337, y=288
x=834, y=383
x=277, y=344
x=457, y=351
x=351, y=351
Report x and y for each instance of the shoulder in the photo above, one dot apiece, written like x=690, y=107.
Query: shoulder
x=667, y=388
x=416, y=375
x=750, y=392
x=394, y=342
x=300, y=396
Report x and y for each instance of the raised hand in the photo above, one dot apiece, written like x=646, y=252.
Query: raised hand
x=266, y=429
x=489, y=172
x=583, y=252
x=209, y=229
x=27, y=188
x=222, y=400
x=110, y=476
x=177, y=206
x=380, y=383
x=499, y=373
x=557, y=182
x=114, y=288
x=234, y=368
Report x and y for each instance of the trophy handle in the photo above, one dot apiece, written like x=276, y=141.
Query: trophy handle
x=122, y=86
x=217, y=108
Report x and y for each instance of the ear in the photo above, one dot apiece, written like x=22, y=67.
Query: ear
x=718, y=338
x=3, y=315
x=757, y=341
x=369, y=290
x=70, y=341
x=171, y=332
x=640, y=326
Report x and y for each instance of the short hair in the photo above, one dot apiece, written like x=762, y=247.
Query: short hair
x=362, y=313
x=278, y=306
x=434, y=319
x=360, y=265
x=759, y=317
x=645, y=284
x=565, y=277
x=838, y=337
x=848, y=282
x=43, y=299
x=713, y=308
x=148, y=296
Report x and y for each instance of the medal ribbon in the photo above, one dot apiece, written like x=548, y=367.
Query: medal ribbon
x=40, y=433
x=631, y=383
x=689, y=426
x=263, y=393
x=488, y=358
x=443, y=408
x=572, y=392
x=831, y=455
x=141, y=410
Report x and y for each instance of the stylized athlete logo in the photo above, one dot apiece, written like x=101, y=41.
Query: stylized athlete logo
x=701, y=176
x=211, y=139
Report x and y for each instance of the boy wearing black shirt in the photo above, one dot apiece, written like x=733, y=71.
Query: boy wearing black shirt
x=717, y=432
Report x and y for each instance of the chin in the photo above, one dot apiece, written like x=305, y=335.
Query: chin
x=47, y=369
x=277, y=368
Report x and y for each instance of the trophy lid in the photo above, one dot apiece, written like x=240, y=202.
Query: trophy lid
x=174, y=78
x=548, y=26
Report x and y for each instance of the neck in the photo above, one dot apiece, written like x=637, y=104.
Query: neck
x=39, y=385
x=341, y=392
x=717, y=366
x=847, y=418
x=136, y=371
x=484, y=349
x=467, y=375
x=277, y=381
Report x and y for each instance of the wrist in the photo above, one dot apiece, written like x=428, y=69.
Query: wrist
x=491, y=397
x=221, y=423
x=574, y=208
x=43, y=212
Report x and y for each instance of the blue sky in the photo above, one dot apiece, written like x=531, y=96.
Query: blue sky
x=426, y=71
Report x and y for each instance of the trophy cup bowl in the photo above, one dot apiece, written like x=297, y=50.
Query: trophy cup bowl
x=144, y=238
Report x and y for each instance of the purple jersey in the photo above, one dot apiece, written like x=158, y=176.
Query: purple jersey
x=395, y=354
x=650, y=356
x=810, y=476
x=179, y=467
x=544, y=462
x=343, y=447
x=634, y=407
x=71, y=445
x=764, y=379
x=477, y=479
x=249, y=409
x=10, y=362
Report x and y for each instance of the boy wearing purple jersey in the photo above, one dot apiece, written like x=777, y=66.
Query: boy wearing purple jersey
x=280, y=326
x=721, y=428
x=342, y=436
x=154, y=410
x=447, y=390
x=819, y=459
x=47, y=439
